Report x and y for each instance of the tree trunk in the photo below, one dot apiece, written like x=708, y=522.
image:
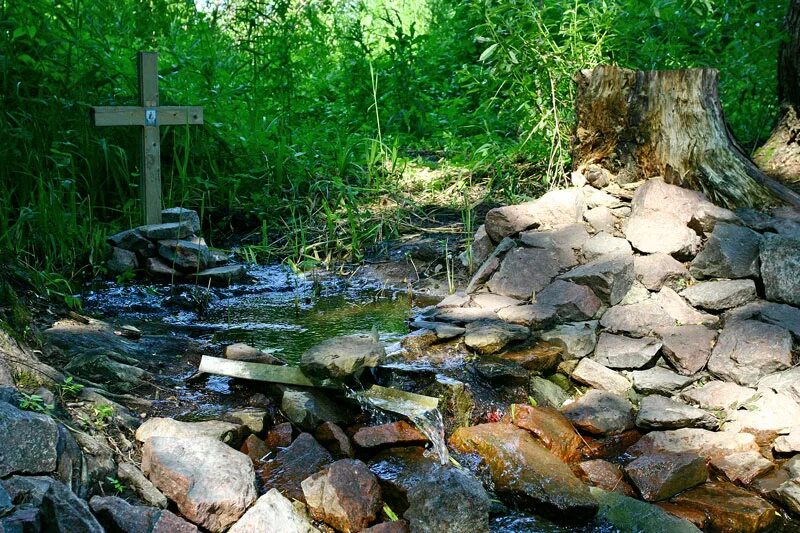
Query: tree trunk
x=780, y=155
x=640, y=124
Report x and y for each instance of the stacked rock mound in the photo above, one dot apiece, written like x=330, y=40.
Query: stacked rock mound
x=676, y=323
x=172, y=251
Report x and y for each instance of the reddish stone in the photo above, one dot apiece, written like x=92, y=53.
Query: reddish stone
x=729, y=508
x=541, y=356
x=304, y=457
x=610, y=446
x=255, y=448
x=398, y=526
x=399, y=433
x=693, y=515
x=663, y=475
x=550, y=428
x=335, y=440
x=280, y=436
x=606, y=476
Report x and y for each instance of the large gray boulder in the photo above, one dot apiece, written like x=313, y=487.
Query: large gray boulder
x=730, y=252
x=749, y=350
x=780, y=268
x=343, y=356
x=30, y=442
x=618, y=351
x=524, y=272
x=610, y=277
x=556, y=208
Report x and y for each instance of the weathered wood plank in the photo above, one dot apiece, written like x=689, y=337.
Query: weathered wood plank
x=134, y=115
x=287, y=375
x=180, y=115
x=150, y=179
x=397, y=401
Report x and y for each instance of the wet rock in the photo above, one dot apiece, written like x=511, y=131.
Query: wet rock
x=729, y=508
x=279, y=436
x=708, y=444
x=605, y=475
x=524, y=272
x=555, y=208
x=185, y=255
x=661, y=476
x=550, y=428
x=570, y=300
x=180, y=214
x=131, y=240
x=660, y=412
x=730, y=252
x=629, y=514
x=719, y=396
x=344, y=495
x=255, y=448
x=101, y=366
x=618, y=351
x=655, y=270
x=240, y=351
x=335, y=440
x=660, y=380
x=442, y=330
x=600, y=413
x=501, y=372
x=399, y=433
x=122, y=261
x=221, y=276
x=133, y=478
x=680, y=311
x=535, y=316
x=231, y=434
x=303, y=458
x=688, y=348
x=274, y=513
x=546, y=393
x=780, y=268
x=491, y=336
x=638, y=319
x=343, y=356
x=768, y=414
x=576, y=340
x=525, y=473
x=308, y=408
x=749, y=350
x=211, y=483
x=652, y=233
x=168, y=230
x=609, y=277
x=605, y=244
x=719, y=295
x=592, y=373
x=255, y=420
x=610, y=446
x=20, y=429
x=115, y=514
x=742, y=467
x=539, y=356
x=600, y=219
x=57, y=508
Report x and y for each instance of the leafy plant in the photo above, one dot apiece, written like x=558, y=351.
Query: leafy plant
x=69, y=389
x=34, y=402
x=116, y=484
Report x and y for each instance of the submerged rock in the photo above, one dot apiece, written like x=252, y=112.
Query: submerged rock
x=344, y=356
x=729, y=508
x=629, y=514
x=308, y=408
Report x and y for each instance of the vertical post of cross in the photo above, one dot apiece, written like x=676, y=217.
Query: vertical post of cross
x=150, y=180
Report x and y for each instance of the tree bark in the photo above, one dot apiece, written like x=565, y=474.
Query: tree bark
x=779, y=157
x=640, y=124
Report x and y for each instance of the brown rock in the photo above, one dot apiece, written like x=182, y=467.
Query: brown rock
x=345, y=495
x=524, y=272
x=691, y=514
x=541, y=356
x=742, y=467
x=708, y=444
x=729, y=508
x=255, y=448
x=535, y=315
x=335, y=440
x=279, y=436
x=242, y=352
x=491, y=336
x=608, y=476
x=639, y=319
x=550, y=428
x=654, y=270
x=748, y=350
x=399, y=433
x=652, y=232
x=398, y=526
x=304, y=457
x=610, y=446
x=556, y=208
x=592, y=373
x=687, y=348
x=661, y=476
x=600, y=413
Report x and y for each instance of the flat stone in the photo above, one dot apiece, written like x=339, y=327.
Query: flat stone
x=660, y=476
x=687, y=348
x=620, y=352
x=335, y=440
x=571, y=236
x=550, y=428
x=546, y=393
x=709, y=444
x=231, y=434
x=660, y=412
x=342, y=356
x=181, y=214
x=102, y=366
x=524, y=272
x=605, y=475
x=542, y=355
x=491, y=336
x=605, y=244
x=390, y=435
x=730, y=252
x=629, y=514
x=308, y=408
x=600, y=413
x=133, y=478
x=495, y=302
x=729, y=508
x=655, y=270
x=20, y=429
x=501, y=372
x=600, y=219
x=719, y=295
x=168, y=230
x=211, y=483
x=660, y=380
x=222, y=275
x=303, y=458
x=780, y=268
x=457, y=299
x=719, y=396
x=653, y=232
x=680, y=311
x=534, y=316
x=609, y=277
x=577, y=340
x=274, y=513
x=594, y=374
x=570, y=300
x=525, y=473
x=185, y=255
x=767, y=415
x=749, y=350
x=130, y=240
x=555, y=208
x=345, y=495
x=657, y=196
x=443, y=330
x=742, y=467
x=465, y=315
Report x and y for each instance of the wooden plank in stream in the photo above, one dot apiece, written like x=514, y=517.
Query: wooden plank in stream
x=287, y=375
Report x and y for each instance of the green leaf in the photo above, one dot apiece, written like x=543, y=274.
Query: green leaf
x=19, y=32
x=488, y=52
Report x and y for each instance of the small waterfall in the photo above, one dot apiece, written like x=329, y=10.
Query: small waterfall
x=431, y=425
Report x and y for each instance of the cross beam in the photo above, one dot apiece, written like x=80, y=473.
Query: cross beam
x=149, y=115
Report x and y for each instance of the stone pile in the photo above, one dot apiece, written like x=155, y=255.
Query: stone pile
x=172, y=251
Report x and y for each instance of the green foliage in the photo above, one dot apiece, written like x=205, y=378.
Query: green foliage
x=313, y=109
x=69, y=389
x=116, y=484
x=34, y=402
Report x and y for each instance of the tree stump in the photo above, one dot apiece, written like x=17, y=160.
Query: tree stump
x=780, y=155
x=640, y=124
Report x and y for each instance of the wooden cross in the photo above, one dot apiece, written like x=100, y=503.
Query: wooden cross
x=149, y=115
